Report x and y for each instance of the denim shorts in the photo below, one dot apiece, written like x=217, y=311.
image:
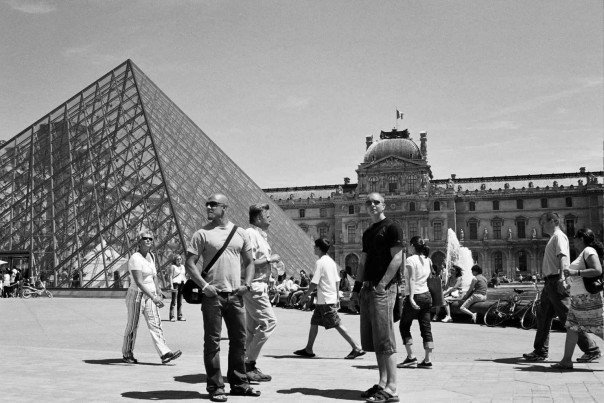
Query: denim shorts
x=377, y=325
x=325, y=315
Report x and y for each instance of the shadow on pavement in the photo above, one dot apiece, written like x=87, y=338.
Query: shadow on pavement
x=191, y=378
x=116, y=361
x=365, y=366
x=301, y=358
x=510, y=360
x=342, y=394
x=543, y=368
x=164, y=395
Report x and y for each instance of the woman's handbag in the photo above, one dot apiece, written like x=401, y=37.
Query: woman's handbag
x=593, y=285
x=191, y=292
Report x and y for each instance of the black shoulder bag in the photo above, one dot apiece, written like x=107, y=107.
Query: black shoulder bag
x=593, y=285
x=191, y=292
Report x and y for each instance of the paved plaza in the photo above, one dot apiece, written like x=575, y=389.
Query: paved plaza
x=69, y=349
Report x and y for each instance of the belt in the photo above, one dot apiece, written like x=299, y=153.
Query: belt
x=226, y=294
x=553, y=277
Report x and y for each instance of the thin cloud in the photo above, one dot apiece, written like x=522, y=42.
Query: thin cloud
x=89, y=54
x=32, y=7
x=584, y=85
x=496, y=125
x=295, y=103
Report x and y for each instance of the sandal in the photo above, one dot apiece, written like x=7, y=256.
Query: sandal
x=244, y=391
x=371, y=391
x=304, y=353
x=218, y=396
x=382, y=397
x=562, y=367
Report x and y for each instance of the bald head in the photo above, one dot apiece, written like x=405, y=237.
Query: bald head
x=219, y=198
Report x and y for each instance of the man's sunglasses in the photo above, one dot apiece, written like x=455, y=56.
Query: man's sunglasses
x=213, y=204
x=147, y=238
x=374, y=202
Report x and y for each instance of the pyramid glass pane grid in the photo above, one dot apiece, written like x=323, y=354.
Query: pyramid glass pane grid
x=119, y=156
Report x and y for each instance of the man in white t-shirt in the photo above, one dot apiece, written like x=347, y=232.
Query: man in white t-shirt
x=327, y=282
x=259, y=316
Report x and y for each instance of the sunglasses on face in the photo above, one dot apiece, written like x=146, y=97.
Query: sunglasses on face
x=146, y=238
x=374, y=202
x=213, y=204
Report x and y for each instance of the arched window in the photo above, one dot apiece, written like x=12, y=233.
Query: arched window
x=351, y=209
x=569, y=201
x=498, y=261
x=437, y=229
x=411, y=206
x=392, y=184
x=352, y=233
x=472, y=206
x=495, y=204
x=437, y=206
x=373, y=184
x=522, y=261
x=302, y=213
x=411, y=183
x=352, y=261
x=543, y=202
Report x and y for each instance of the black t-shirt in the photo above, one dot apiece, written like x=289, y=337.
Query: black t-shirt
x=377, y=241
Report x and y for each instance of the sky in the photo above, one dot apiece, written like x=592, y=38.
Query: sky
x=290, y=89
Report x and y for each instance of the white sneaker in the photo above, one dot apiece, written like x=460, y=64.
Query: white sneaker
x=474, y=317
x=447, y=319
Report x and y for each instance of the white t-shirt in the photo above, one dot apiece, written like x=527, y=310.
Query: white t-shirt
x=577, y=286
x=147, y=268
x=557, y=245
x=260, y=249
x=325, y=277
x=421, y=267
x=178, y=274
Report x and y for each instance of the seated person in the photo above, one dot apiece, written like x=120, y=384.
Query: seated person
x=452, y=292
x=476, y=293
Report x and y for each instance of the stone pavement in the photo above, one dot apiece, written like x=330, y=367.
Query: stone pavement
x=69, y=349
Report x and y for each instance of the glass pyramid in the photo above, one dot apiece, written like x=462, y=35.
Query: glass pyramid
x=78, y=185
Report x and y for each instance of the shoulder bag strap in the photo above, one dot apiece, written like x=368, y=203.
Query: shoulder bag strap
x=217, y=255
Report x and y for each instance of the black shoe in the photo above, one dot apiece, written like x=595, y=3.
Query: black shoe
x=534, y=357
x=182, y=319
x=424, y=364
x=409, y=362
x=170, y=356
x=302, y=352
x=130, y=360
x=589, y=357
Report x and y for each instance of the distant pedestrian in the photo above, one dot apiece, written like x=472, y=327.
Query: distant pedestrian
x=177, y=276
x=586, y=310
x=555, y=298
x=326, y=281
x=145, y=294
x=418, y=302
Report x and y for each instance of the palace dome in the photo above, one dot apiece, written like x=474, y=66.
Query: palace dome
x=396, y=147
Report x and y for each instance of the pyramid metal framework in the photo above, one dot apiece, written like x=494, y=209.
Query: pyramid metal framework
x=78, y=185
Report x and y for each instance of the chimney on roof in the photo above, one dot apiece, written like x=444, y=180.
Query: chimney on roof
x=346, y=180
x=423, y=136
x=582, y=170
x=453, y=176
x=368, y=141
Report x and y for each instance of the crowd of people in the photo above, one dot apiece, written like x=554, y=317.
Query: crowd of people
x=233, y=269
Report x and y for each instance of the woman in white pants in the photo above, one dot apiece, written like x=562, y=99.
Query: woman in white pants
x=144, y=294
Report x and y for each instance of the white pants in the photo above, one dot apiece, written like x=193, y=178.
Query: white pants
x=260, y=320
x=135, y=302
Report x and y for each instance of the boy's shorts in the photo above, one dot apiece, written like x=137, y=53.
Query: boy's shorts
x=325, y=315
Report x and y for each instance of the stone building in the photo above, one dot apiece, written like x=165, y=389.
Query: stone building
x=496, y=217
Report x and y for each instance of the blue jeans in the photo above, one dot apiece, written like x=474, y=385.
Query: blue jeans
x=422, y=315
x=377, y=325
x=230, y=307
x=553, y=303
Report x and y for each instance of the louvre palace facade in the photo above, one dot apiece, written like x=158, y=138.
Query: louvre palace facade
x=497, y=218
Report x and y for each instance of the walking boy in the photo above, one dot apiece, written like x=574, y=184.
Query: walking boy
x=326, y=281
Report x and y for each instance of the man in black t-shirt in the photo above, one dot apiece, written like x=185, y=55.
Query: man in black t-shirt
x=377, y=274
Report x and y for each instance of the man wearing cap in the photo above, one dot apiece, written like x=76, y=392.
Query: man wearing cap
x=222, y=296
x=260, y=318
x=380, y=261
